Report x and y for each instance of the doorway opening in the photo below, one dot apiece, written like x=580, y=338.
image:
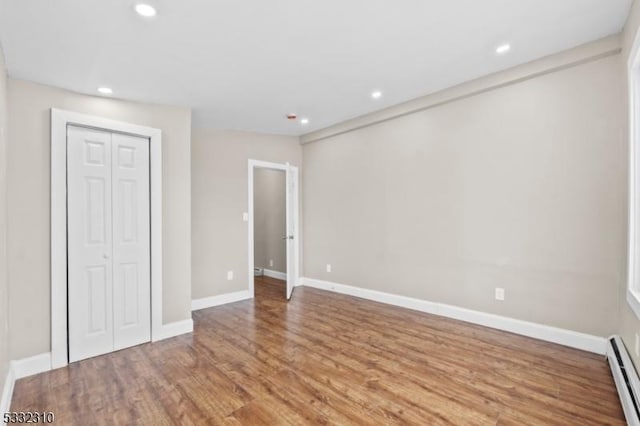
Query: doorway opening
x=273, y=227
x=270, y=233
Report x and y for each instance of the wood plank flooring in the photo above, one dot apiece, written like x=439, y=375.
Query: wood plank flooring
x=325, y=358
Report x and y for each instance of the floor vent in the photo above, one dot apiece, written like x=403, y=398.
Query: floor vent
x=626, y=378
x=258, y=272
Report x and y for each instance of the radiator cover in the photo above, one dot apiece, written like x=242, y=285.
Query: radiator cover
x=626, y=378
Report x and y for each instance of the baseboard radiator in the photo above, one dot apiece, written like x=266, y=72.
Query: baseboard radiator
x=626, y=378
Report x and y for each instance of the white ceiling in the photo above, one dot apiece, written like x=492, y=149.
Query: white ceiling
x=245, y=64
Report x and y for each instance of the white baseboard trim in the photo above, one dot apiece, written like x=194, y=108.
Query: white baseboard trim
x=222, y=299
x=573, y=339
x=175, y=329
x=19, y=369
x=29, y=366
x=274, y=274
x=7, y=390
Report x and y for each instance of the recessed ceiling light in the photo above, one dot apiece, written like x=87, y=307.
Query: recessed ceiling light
x=376, y=95
x=105, y=90
x=304, y=121
x=145, y=10
x=504, y=48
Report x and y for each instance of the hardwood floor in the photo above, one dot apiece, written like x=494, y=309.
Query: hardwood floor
x=325, y=358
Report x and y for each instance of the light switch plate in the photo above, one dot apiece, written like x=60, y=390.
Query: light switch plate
x=245, y=217
x=499, y=293
x=229, y=275
x=328, y=267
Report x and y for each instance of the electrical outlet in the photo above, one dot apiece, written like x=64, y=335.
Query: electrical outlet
x=270, y=262
x=229, y=275
x=328, y=267
x=499, y=293
x=245, y=217
x=637, y=346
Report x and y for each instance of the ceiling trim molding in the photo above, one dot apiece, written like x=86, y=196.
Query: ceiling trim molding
x=560, y=61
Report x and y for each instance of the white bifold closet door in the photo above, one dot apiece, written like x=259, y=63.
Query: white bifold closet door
x=108, y=222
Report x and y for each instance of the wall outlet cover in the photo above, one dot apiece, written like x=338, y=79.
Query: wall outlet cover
x=328, y=267
x=229, y=275
x=499, y=293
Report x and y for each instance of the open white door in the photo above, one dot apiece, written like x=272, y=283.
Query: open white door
x=292, y=228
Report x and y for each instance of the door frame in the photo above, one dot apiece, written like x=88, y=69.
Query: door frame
x=60, y=119
x=258, y=164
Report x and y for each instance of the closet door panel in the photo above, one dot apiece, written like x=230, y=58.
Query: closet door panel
x=90, y=283
x=131, y=240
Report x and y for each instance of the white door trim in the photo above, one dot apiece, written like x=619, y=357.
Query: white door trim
x=60, y=119
x=633, y=217
x=253, y=164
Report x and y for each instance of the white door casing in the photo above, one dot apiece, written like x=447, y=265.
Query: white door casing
x=108, y=245
x=60, y=120
x=292, y=212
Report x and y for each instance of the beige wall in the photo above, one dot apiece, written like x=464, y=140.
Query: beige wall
x=269, y=218
x=219, y=163
x=4, y=286
x=520, y=187
x=629, y=323
x=28, y=194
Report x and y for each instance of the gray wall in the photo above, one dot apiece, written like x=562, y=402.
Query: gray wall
x=219, y=173
x=4, y=286
x=28, y=194
x=629, y=322
x=269, y=218
x=520, y=187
